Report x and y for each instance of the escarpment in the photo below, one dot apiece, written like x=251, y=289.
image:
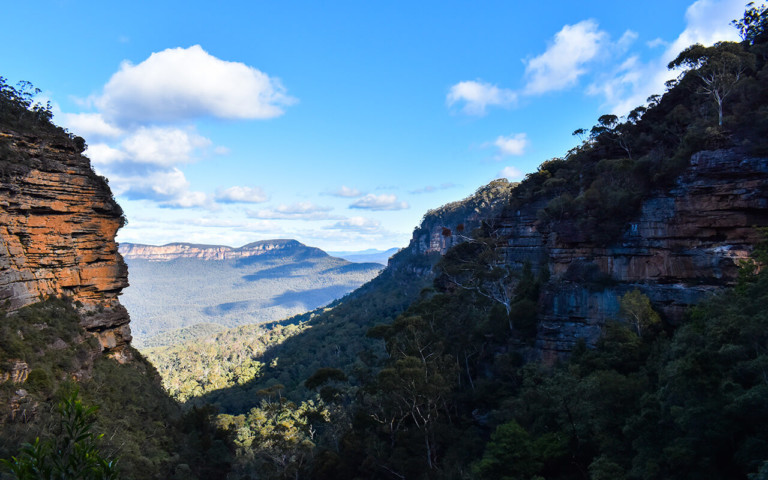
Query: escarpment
x=58, y=222
x=174, y=251
x=685, y=244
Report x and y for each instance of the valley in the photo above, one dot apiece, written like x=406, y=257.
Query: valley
x=182, y=291
x=603, y=318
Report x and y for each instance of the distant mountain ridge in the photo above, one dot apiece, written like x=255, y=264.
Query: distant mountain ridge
x=173, y=251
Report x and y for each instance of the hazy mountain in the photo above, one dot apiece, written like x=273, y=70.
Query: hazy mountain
x=181, y=285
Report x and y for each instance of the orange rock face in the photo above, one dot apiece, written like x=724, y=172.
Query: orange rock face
x=58, y=222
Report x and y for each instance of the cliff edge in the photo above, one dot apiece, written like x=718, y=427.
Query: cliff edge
x=58, y=222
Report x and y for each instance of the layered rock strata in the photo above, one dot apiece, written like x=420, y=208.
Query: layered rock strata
x=685, y=244
x=58, y=222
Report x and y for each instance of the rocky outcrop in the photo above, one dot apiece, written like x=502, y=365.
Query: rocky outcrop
x=17, y=371
x=685, y=244
x=57, y=233
x=173, y=251
x=447, y=226
x=453, y=223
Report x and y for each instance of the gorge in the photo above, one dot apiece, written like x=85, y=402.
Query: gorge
x=603, y=318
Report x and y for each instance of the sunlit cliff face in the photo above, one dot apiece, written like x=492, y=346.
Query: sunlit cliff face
x=58, y=222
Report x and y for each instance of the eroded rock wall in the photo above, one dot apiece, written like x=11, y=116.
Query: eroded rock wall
x=58, y=222
x=684, y=245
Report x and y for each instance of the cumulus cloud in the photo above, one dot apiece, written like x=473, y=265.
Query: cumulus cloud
x=142, y=123
x=103, y=154
x=184, y=83
x=432, y=188
x=514, y=144
x=477, y=95
x=357, y=224
x=144, y=166
x=563, y=62
x=633, y=81
x=379, y=202
x=239, y=194
x=346, y=192
x=296, y=211
x=510, y=173
x=90, y=125
x=169, y=188
x=163, y=146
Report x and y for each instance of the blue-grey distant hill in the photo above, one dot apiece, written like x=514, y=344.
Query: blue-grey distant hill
x=367, y=256
x=180, y=290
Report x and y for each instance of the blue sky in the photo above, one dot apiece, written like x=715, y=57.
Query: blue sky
x=340, y=123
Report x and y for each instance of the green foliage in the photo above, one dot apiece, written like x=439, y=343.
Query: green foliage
x=636, y=308
x=719, y=69
x=71, y=453
x=513, y=454
x=139, y=419
x=17, y=106
x=753, y=26
x=19, y=111
x=43, y=335
x=232, y=357
x=277, y=438
x=324, y=375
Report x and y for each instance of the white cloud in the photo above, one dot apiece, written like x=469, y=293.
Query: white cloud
x=163, y=146
x=477, y=95
x=346, y=192
x=357, y=224
x=379, y=202
x=296, y=211
x=708, y=21
x=184, y=83
x=514, y=144
x=90, y=125
x=187, y=199
x=632, y=82
x=143, y=166
x=510, y=173
x=239, y=194
x=563, y=62
x=169, y=188
x=626, y=40
x=103, y=154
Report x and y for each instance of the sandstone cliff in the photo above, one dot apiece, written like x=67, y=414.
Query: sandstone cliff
x=685, y=244
x=57, y=233
x=173, y=251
